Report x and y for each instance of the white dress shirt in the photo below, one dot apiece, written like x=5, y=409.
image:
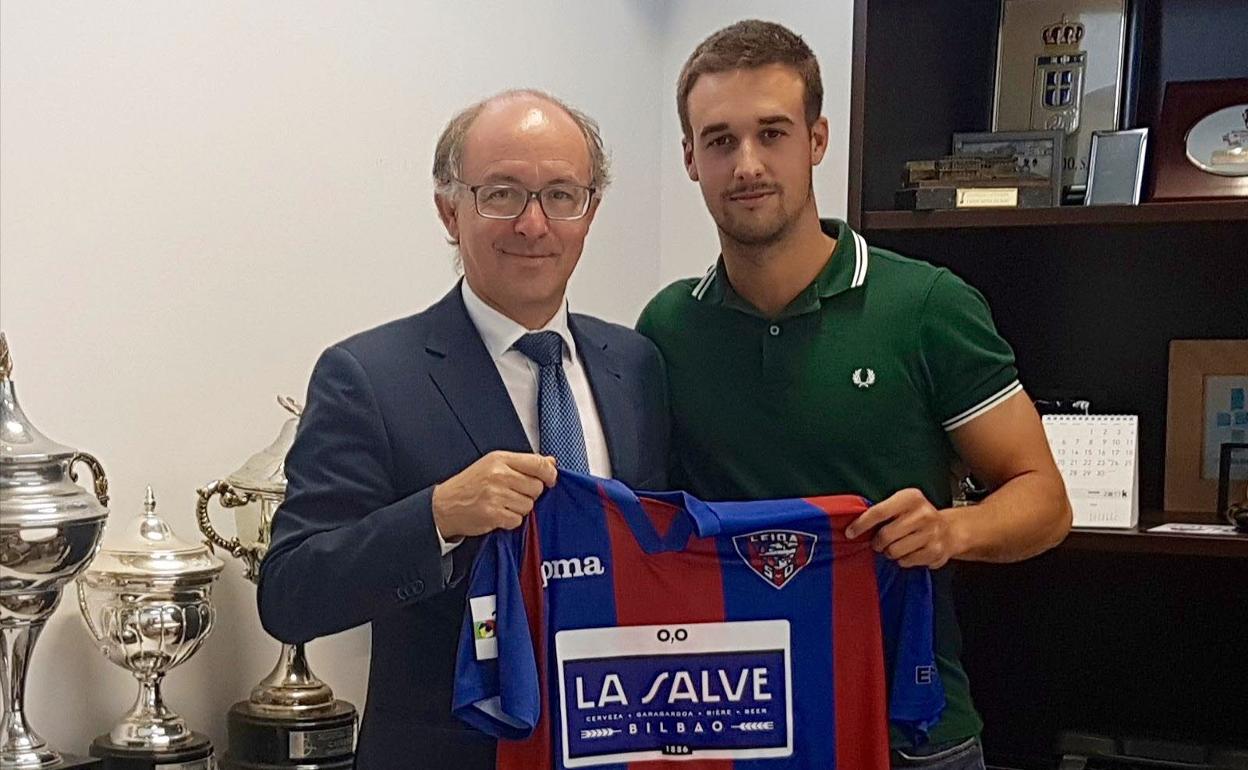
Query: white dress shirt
x=520, y=376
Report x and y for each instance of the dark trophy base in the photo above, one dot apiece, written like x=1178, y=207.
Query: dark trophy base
x=321, y=741
x=196, y=755
x=74, y=762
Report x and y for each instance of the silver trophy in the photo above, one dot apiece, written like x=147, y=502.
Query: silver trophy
x=147, y=602
x=49, y=530
x=291, y=717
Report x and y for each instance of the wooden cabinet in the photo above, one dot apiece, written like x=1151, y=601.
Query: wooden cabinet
x=1124, y=633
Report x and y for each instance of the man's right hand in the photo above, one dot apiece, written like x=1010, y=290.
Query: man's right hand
x=495, y=492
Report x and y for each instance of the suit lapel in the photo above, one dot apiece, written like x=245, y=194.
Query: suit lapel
x=612, y=398
x=467, y=378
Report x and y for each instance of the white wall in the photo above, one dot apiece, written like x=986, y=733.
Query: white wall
x=195, y=199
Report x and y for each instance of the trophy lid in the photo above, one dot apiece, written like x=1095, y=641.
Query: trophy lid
x=148, y=548
x=264, y=473
x=38, y=488
x=21, y=442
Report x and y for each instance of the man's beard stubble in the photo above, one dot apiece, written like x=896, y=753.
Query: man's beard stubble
x=765, y=233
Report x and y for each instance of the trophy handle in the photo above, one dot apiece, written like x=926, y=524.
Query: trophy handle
x=229, y=499
x=291, y=405
x=97, y=472
x=86, y=614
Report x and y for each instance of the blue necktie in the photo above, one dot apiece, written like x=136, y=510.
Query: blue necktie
x=559, y=424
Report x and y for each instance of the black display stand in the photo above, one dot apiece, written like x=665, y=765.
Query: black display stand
x=196, y=755
x=324, y=741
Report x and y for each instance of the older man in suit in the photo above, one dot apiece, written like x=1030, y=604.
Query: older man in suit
x=426, y=433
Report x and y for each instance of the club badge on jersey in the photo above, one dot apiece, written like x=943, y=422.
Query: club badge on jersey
x=615, y=628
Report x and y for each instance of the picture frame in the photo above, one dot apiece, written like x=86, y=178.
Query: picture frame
x=1206, y=406
x=1037, y=153
x=1068, y=65
x=1232, y=466
x=1199, y=119
x=1116, y=167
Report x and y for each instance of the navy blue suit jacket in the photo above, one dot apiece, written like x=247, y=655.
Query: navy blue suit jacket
x=390, y=412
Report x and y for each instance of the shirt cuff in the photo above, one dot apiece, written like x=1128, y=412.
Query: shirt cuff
x=445, y=546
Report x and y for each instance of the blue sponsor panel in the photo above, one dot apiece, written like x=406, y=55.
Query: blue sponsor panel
x=729, y=703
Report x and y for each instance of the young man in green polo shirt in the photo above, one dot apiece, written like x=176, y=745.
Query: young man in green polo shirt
x=806, y=362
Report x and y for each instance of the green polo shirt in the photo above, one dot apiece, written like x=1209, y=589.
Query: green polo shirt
x=852, y=388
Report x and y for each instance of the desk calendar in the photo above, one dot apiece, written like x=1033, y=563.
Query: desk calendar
x=1098, y=455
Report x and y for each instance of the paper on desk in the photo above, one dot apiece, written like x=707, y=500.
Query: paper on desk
x=1193, y=529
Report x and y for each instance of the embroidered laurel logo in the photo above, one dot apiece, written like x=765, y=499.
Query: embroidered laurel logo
x=864, y=380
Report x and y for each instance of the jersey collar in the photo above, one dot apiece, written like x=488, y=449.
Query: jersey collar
x=700, y=519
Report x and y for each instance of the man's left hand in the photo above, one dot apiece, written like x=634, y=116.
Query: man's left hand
x=911, y=530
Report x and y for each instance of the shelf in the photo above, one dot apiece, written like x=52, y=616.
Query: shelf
x=1138, y=541
x=1145, y=213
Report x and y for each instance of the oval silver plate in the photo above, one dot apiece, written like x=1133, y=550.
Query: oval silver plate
x=1218, y=143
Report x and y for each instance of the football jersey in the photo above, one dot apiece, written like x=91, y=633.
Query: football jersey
x=614, y=628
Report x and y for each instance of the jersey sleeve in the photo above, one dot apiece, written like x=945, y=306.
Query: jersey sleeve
x=969, y=367
x=916, y=696
x=496, y=680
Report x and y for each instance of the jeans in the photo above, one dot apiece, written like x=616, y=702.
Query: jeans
x=964, y=755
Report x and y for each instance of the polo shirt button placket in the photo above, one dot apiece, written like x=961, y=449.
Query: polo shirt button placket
x=772, y=373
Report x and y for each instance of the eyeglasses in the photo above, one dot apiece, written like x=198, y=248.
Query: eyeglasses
x=508, y=201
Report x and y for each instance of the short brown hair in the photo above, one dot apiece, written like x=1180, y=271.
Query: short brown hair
x=746, y=45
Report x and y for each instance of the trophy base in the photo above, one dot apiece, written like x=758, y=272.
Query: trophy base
x=324, y=740
x=196, y=755
x=74, y=762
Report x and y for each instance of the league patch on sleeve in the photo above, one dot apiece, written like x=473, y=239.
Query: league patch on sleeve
x=484, y=626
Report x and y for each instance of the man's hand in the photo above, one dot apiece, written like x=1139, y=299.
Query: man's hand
x=495, y=492
x=912, y=531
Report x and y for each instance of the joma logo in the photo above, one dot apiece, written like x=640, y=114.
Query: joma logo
x=575, y=567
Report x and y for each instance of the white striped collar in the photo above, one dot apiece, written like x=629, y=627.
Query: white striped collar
x=861, y=257
x=830, y=279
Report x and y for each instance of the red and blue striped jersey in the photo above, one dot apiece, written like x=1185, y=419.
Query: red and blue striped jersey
x=614, y=629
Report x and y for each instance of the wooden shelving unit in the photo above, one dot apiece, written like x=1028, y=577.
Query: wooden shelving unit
x=1089, y=296
x=1140, y=541
x=1065, y=216
x=1124, y=633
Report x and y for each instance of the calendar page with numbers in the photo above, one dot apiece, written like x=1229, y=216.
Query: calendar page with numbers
x=1099, y=460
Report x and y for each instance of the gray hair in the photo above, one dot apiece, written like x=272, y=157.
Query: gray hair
x=448, y=155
